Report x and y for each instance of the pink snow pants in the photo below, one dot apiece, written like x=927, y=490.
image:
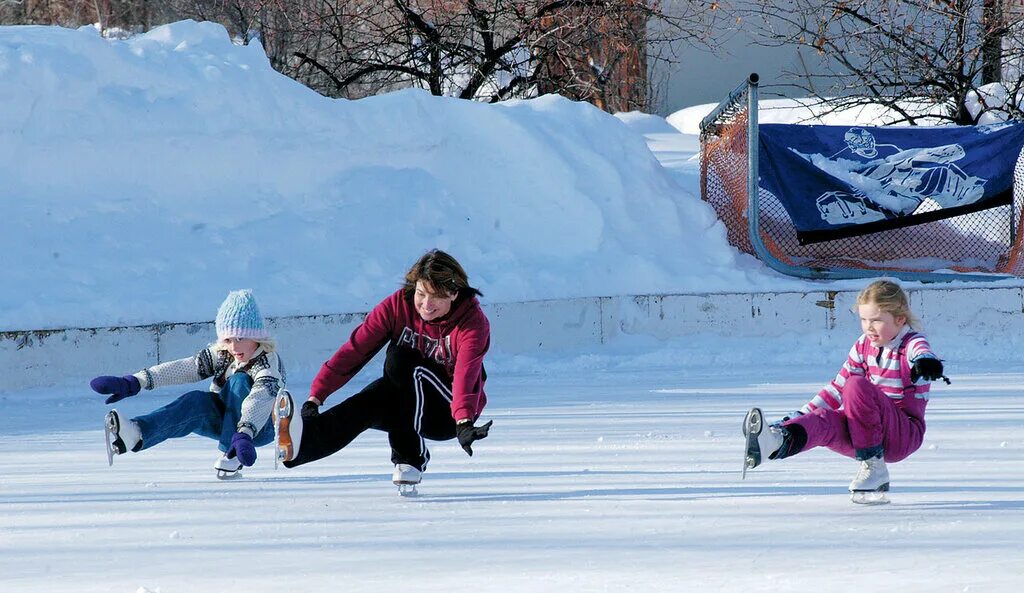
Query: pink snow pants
x=868, y=418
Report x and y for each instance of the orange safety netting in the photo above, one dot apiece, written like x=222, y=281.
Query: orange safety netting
x=988, y=241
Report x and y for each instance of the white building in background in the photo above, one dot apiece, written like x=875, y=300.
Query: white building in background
x=702, y=76
x=1014, y=42
x=705, y=77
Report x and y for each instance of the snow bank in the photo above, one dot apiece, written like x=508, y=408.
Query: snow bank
x=145, y=178
x=804, y=111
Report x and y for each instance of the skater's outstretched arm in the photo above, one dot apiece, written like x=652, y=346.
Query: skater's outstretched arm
x=205, y=364
x=923, y=362
x=364, y=343
x=468, y=378
x=831, y=396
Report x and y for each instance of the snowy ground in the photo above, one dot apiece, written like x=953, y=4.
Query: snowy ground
x=610, y=481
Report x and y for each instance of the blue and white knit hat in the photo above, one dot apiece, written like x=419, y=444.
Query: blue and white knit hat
x=239, y=317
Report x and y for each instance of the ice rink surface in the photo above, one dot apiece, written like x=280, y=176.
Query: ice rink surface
x=590, y=481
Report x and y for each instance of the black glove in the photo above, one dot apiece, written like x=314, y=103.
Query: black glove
x=927, y=368
x=309, y=410
x=467, y=433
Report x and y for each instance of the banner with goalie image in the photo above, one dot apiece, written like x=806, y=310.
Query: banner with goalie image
x=844, y=181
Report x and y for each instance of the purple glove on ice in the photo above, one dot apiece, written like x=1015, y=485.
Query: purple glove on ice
x=241, y=445
x=118, y=387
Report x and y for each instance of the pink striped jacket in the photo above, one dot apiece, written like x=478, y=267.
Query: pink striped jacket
x=887, y=367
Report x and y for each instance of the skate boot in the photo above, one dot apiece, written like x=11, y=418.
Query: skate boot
x=406, y=477
x=121, y=436
x=228, y=469
x=287, y=427
x=871, y=483
x=764, y=441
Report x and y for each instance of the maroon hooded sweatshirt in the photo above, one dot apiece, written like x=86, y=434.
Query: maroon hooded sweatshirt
x=457, y=341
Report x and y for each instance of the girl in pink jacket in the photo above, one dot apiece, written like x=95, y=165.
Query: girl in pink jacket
x=873, y=410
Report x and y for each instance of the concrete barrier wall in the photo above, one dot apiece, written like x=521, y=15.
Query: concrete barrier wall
x=50, y=357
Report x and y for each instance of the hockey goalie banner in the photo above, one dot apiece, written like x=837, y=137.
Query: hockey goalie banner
x=842, y=181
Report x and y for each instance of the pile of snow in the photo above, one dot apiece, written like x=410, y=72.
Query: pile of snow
x=992, y=103
x=144, y=178
x=808, y=111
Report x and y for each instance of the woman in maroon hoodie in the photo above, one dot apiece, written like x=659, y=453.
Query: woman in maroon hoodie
x=433, y=383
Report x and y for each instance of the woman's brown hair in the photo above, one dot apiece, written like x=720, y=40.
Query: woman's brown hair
x=442, y=271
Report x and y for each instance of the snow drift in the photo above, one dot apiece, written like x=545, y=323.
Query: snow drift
x=145, y=178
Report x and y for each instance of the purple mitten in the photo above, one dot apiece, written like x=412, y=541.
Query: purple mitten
x=241, y=445
x=118, y=387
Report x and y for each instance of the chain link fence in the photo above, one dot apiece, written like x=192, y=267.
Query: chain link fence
x=988, y=241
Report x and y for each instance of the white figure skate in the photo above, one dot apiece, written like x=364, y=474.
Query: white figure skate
x=871, y=483
x=120, y=436
x=406, y=477
x=762, y=440
x=228, y=469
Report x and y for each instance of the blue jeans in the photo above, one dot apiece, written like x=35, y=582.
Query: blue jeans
x=213, y=415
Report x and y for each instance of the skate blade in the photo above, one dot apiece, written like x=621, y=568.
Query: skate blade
x=107, y=438
x=226, y=475
x=283, y=416
x=115, y=446
x=869, y=498
x=753, y=424
x=748, y=463
x=407, y=490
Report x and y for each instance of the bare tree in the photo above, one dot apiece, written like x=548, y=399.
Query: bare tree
x=267, y=21
x=600, y=58
x=993, y=19
x=56, y=12
x=127, y=15
x=594, y=50
x=244, y=19
x=894, y=52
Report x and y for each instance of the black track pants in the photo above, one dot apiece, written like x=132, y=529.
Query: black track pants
x=411, y=402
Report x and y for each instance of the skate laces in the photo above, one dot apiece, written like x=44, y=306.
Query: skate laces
x=864, y=472
x=867, y=467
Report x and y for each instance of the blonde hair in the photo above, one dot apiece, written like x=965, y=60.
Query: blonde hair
x=268, y=345
x=889, y=297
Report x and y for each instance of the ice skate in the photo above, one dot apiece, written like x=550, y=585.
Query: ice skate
x=763, y=440
x=873, y=497
x=871, y=483
x=228, y=469
x=406, y=477
x=120, y=436
x=287, y=428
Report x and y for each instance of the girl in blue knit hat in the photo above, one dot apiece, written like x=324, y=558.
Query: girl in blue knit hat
x=246, y=374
